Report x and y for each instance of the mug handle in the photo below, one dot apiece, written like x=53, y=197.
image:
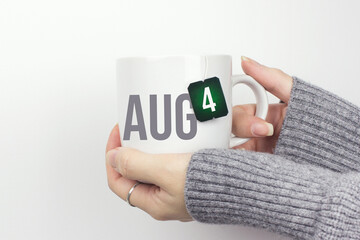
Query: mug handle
x=261, y=102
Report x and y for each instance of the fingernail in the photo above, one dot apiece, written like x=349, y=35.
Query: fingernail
x=111, y=156
x=243, y=58
x=246, y=59
x=262, y=129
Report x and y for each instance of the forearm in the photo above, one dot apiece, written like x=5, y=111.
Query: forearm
x=320, y=128
x=269, y=191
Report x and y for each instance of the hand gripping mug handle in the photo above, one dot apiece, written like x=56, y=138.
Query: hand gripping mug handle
x=261, y=102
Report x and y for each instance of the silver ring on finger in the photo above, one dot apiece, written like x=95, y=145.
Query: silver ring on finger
x=130, y=191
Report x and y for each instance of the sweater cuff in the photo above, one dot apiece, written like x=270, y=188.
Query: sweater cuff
x=256, y=189
x=320, y=128
x=267, y=191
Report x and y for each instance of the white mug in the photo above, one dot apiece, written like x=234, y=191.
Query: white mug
x=155, y=113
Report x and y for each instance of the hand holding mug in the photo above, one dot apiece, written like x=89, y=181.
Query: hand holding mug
x=245, y=125
x=180, y=104
x=164, y=174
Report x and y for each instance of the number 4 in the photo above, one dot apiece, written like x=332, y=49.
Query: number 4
x=207, y=95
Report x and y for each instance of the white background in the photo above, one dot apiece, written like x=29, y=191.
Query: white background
x=58, y=96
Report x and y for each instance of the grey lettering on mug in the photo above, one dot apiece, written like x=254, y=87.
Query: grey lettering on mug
x=134, y=103
x=167, y=117
x=179, y=118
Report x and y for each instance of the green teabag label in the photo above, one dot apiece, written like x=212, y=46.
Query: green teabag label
x=207, y=99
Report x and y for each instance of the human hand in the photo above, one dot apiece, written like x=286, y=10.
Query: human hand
x=164, y=174
x=263, y=135
x=162, y=195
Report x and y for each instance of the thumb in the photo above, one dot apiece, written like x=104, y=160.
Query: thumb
x=147, y=168
x=135, y=165
x=245, y=124
x=273, y=80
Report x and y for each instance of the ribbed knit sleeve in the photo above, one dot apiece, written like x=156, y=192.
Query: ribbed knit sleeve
x=320, y=128
x=264, y=190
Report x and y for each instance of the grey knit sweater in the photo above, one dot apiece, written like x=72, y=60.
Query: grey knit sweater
x=308, y=189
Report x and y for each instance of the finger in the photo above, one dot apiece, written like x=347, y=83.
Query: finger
x=245, y=124
x=273, y=80
x=113, y=142
x=141, y=196
x=114, y=139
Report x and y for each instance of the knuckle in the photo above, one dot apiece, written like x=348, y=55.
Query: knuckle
x=238, y=109
x=278, y=71
x=160, y=216
x=243, y=110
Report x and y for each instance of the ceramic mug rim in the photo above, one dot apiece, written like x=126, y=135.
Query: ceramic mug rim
x=162, y=57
